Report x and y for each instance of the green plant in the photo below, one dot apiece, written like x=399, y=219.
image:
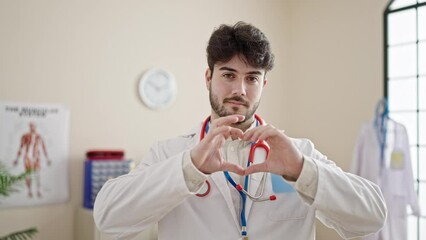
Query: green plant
x=8, y=181
x=25, y=234
x=7, y=184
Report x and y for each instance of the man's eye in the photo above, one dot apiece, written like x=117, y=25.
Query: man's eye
x=228, y=75
x=253, y=79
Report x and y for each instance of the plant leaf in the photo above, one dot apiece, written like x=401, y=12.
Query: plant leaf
x=8, y=181
x=25, y=234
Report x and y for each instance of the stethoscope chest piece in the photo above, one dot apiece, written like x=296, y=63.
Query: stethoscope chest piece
x=205, y=189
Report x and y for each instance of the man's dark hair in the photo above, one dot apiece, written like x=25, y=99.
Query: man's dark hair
x=242, y=38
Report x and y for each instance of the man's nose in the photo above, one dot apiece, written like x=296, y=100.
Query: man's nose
x=239, y=87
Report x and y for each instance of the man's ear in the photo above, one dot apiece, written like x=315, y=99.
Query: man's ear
x=208, y=77
x=265, y=81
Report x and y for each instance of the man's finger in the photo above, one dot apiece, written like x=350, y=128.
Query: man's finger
x=228, y=120
x=248, y=135
x=236, y=133
x=254, y=133
x=226, y=131
x=269, y=132
x=261, y=167
x=222, y=131
x=227, y=166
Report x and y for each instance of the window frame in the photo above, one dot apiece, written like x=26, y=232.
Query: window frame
x=386, y=48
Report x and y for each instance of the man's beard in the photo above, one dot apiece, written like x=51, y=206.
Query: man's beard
x=221, y=111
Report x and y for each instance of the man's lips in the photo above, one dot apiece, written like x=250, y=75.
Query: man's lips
x=235, y=102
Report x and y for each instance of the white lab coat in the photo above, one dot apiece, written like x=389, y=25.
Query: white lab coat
x=394, y=179
x=156, y=192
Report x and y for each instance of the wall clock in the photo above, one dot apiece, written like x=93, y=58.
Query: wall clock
x=157, y=88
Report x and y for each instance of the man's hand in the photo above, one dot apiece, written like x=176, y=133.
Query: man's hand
x=284, y=158
x=207, y=156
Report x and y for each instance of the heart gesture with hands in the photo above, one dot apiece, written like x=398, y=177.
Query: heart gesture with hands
x=283, y=159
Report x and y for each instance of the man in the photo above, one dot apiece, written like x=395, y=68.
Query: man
x=181, y=183
x=31, y=142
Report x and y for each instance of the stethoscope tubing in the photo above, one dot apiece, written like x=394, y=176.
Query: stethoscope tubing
x=243, y=190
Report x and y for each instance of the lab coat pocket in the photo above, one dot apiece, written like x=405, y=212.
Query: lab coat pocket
x=288, y=206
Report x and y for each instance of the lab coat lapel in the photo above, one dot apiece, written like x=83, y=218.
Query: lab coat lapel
x=221, y=183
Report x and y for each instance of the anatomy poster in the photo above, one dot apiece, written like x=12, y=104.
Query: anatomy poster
x=34, y=140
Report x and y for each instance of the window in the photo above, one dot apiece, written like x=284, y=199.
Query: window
x=405, y=88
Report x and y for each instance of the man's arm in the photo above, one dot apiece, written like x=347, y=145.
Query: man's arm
x=131, y=203
x=353, y=206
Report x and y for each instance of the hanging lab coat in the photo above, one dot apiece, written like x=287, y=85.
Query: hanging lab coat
x=156, y=192
x=394, y=175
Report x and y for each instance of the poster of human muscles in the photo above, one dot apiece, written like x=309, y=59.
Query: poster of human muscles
x=34, y=145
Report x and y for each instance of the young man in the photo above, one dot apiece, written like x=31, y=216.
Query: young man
x=184, y=183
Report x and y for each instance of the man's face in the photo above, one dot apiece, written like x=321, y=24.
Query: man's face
x=235, y=88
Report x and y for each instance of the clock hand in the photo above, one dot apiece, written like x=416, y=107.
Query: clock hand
x=157, y=88
x=164, y=85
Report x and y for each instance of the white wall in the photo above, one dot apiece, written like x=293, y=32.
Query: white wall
x=88, y=55
x=336, y=74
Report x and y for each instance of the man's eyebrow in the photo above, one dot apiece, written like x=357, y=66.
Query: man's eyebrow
x=233, y=70
x=255, y=72
x=228, y=69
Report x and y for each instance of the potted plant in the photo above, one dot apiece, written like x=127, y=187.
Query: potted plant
x=7, y=184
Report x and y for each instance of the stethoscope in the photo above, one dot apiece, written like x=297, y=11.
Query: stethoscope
x=243, y=190
x=381, y=128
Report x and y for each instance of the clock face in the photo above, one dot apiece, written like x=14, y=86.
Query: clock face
x=157, y=88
